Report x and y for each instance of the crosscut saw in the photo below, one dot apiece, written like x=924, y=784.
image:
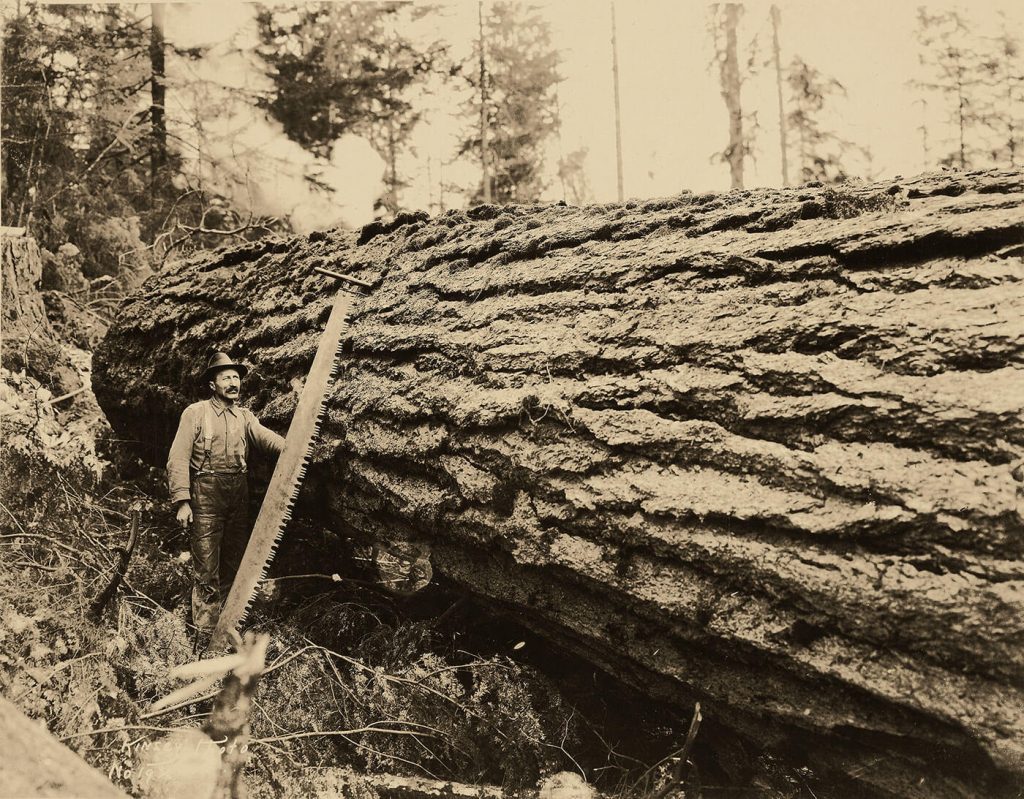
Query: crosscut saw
x=290, y=471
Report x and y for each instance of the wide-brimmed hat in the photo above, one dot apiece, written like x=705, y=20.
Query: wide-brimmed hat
x=221, y=360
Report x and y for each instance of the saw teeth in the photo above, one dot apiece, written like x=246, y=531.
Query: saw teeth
x=283, y=491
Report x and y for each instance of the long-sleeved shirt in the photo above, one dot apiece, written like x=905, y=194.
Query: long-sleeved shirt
x=234, y=430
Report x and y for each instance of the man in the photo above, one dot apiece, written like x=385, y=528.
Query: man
x=206, y=475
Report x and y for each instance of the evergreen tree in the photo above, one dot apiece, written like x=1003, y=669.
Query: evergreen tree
x=87, y=155
x=1003, y=77
x=517, y=102
x=952, y=72
x=724, y=28
x=349, y=68
x=573, y=175
x=76, y=130
x=818, y=151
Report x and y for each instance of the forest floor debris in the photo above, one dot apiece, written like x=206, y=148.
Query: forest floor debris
x=354, y=681
x=349, y=681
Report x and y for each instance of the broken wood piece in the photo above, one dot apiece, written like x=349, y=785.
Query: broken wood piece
x=124, y=556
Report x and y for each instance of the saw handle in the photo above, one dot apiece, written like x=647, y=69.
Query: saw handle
x=338, y=276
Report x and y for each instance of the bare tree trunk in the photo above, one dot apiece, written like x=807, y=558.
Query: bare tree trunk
x=618, y=111
x=729, y=73
x=776, y=58
x=392, y=169
x=561, y=148
x=925, y=150
x=485, y=175
x=29, y=341
x=23, y=311
x=158, y=148
x=961, y=102
x=1011, y=130
x=440, y=185
x=431, y=205
x=28, y=338
x=757, y=452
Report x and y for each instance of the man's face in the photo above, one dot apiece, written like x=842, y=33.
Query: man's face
x=226, y=384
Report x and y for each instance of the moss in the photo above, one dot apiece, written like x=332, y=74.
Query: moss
x=838, y=203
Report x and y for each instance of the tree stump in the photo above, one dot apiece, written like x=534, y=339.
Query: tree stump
x=30, y=342
x=28, y=336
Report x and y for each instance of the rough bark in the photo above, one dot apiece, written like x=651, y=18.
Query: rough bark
x=24, y=315
x=734, y=448
x=28, y=341
x=345, y=782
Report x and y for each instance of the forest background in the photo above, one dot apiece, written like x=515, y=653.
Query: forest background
x=133, y=133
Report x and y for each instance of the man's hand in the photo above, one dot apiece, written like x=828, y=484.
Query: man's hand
x=184, y=514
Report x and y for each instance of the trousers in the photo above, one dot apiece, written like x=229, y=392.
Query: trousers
x=220, y=532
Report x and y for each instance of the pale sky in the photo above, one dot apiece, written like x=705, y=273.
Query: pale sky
x=673, y=117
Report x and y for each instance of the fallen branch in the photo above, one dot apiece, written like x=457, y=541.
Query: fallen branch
x=249, y=224
x=33, y=565
x=191, y=701
x=69, y=395
x=96, y=609
x=47, y=538
x=104, y=730
x=683, y=754
x=345, y=733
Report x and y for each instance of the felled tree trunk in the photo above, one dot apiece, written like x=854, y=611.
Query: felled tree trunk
x=753, y=449
x=37, y=764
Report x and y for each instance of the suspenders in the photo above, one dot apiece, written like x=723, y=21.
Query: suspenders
x=208, y=440
x=207, y=435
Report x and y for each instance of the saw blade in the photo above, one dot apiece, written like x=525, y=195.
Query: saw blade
x=288, y=475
